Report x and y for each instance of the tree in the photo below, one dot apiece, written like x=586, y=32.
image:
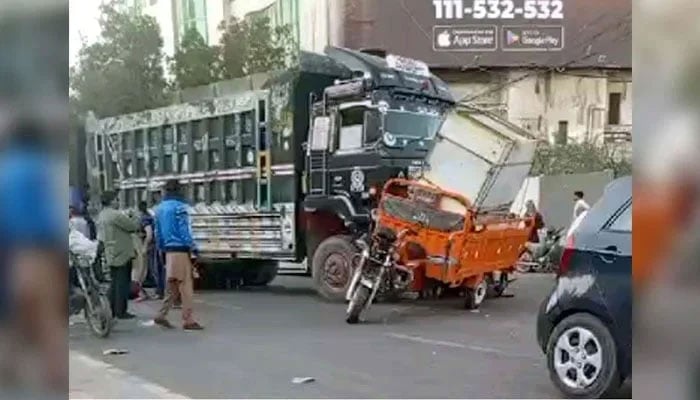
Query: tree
x=122, y=72
x=195, y=63
x=578, y=158
x=252, y=46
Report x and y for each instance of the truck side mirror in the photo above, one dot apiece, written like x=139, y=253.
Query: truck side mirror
x=320, y=134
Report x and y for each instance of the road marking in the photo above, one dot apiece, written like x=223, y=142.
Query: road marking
x=481, y=349
x=105, y=373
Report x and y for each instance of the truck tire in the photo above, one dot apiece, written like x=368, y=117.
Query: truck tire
x=260, y=273
x=332, y=265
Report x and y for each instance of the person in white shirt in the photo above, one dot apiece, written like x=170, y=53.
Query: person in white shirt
x=78, y=222
x=580, y=204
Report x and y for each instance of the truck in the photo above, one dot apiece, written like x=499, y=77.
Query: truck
x=282, y=165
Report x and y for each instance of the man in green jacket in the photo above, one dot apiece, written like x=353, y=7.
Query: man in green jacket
x=115, y=231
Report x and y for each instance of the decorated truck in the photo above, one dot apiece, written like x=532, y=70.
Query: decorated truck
x=281, y=167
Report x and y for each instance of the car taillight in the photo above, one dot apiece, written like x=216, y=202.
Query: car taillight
x=566, y=256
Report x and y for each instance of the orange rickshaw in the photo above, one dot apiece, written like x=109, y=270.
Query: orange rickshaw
x=452, y=245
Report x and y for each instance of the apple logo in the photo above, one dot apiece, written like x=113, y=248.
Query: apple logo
x=443, y=39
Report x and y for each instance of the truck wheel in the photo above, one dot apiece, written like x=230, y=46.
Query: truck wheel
x=260, y=273
x=333, y=268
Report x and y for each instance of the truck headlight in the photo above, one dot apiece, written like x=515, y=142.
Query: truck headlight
x=389, y=139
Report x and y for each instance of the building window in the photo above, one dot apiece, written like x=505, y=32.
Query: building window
x=614, y=105
x=193, y=15
x=562, y=134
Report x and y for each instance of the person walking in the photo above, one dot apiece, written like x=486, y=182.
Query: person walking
x=580, y=205
x=174, y=236
x=116, y=230
x=143, y=241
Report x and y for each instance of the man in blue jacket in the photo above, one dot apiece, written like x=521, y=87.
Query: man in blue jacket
x=174, y=238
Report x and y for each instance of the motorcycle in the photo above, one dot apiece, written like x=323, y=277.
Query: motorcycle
x=542, y=257
x=377, y=273
x=89, y=297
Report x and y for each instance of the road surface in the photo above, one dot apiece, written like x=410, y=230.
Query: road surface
x=257, y=341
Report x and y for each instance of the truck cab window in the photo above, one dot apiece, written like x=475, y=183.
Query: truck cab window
x=373, y=126
x=351, y=130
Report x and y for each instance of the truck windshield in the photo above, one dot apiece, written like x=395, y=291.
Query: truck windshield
x=411, y=124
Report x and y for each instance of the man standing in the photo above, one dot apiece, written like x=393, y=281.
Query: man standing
x=174, y=236
x=580, y=204
x=144, y=247
x=116, y=230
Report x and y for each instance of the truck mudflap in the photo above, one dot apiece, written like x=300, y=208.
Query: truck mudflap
x=224, y=232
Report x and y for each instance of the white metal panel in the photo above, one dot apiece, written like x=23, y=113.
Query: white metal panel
x=481, y=157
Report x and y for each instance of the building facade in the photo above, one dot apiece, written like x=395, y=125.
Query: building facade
x=315, y=24
x=175, y=17
x=561, y=69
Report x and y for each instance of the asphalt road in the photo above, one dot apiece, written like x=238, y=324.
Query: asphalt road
x=257, y=341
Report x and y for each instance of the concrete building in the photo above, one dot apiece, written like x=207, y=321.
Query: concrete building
x=564, y=73
x=315, y=23
x=176, y=16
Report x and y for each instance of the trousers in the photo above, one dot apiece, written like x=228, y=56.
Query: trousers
x=119, y=288
x=179, y=283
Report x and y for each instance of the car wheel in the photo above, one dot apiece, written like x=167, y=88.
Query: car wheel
x=582, y=358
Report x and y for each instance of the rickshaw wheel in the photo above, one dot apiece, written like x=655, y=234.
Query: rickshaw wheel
x=475, y=296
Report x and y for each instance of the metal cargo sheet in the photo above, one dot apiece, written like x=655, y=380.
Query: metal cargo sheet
x=482, y=158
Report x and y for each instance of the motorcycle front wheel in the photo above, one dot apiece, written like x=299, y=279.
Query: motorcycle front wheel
x=357, y=304
x=98, y=315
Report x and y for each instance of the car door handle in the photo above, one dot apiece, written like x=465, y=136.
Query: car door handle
x=607, y=255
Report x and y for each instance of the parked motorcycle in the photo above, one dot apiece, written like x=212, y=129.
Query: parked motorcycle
x=377, y=273
x=89, y=297
x=544, y=256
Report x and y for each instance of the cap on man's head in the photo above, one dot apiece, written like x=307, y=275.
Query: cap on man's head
x=107, y=198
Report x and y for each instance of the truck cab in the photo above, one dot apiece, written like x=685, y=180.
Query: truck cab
x=380, y=124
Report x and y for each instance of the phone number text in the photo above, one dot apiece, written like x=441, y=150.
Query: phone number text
x=499, y=9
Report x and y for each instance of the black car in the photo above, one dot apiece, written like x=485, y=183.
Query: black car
x=585, y=325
